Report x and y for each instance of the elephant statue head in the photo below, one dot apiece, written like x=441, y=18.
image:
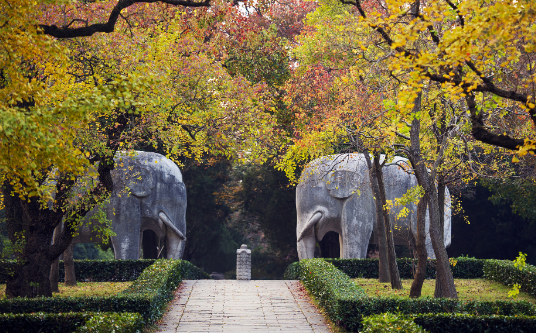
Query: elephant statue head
x=148, y=194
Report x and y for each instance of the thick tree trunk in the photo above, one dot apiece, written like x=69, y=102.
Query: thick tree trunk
x=30, y=226
x=420, y=247
x=438, y=293
x=391, y=254
x=383, y=273
x=55, y=269
x=70, y=276
x=444, y=273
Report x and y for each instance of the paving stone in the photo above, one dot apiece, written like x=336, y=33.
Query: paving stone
x=242, y=306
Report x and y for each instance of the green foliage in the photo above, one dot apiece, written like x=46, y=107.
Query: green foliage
x=91, y=251
x=292, y=272
x=520, y=194
x=333, y=289
x=505, y=272
x=465, y=268
x=346, y=304
x=494, y=231
x=469, y=323
x=262, y=57
x=43, y=322
x=113, y=322
x=94, y=270
x=211, y=243
x=71, y=322
x=267, y=198
x=388, y=322
x=148, y=295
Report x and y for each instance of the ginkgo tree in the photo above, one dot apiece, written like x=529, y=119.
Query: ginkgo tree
x=336, y=38
x=481, y=52
x=72, y=97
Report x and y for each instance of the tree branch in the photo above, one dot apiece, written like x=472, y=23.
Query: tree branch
x=109, y=26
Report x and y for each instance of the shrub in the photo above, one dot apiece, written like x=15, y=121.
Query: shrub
x=93, y=270
x=148, y=295
x=72, y=321
x=467, y=323
x=465, y=268
x=505, y=272
x=292, y=272
x=346, y=303
x=388, y=322
x=113, y=322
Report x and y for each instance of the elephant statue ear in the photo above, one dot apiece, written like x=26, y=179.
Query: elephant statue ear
x=142, y=181
x=343, y=183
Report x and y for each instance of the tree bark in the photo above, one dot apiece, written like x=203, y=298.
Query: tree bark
x=443, y=271
x=55, y=269
x=420, y=246
x=70, y=276
x=30, y=226
x=438, y=293
x=383, y=273
x=391, y=254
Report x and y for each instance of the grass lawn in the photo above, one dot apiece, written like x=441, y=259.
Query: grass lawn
x=84, y=289
x=468, y=290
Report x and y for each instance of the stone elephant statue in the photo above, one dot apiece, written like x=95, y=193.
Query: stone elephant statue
x=334, y=194
x=149, y=193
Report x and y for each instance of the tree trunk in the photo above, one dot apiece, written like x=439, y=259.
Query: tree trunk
x=383, y=273
x=438, y=293
x=443, y=271
x=420, y=246
x=55, y=269
x=391, y=254
x=70, y=276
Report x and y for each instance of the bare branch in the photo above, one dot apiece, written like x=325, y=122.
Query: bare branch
x=109, y=26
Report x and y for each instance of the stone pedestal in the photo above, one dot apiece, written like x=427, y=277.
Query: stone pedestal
x=243, y=263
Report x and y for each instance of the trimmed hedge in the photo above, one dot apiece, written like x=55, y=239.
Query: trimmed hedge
x=148, y=295
x=292, y=272
x=505, y=272
x=388, y=322
x=447, y=322
x=346, y=303
x=72, y=321
x=94, y=270
x=465, y=268
x=331, y=287
x=467, y=323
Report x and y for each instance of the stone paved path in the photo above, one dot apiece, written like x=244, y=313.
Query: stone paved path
x=242, y=306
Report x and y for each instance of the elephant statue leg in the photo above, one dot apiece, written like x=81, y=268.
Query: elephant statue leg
x=341, y=246
x=357, y=222
x=126, y=225
x=175, y=239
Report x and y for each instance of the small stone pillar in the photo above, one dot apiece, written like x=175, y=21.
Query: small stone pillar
x=243, y=263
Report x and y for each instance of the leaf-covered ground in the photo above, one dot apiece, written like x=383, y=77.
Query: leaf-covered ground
x=84, y=289
x=468, y=290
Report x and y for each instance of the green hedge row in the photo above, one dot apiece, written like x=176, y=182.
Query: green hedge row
x=93, y=270
x=346, y=303
x=465, y=268
x=447, y=322
x=505, y=272
x=72, y=322
x=467, y=323
x=148, y=295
